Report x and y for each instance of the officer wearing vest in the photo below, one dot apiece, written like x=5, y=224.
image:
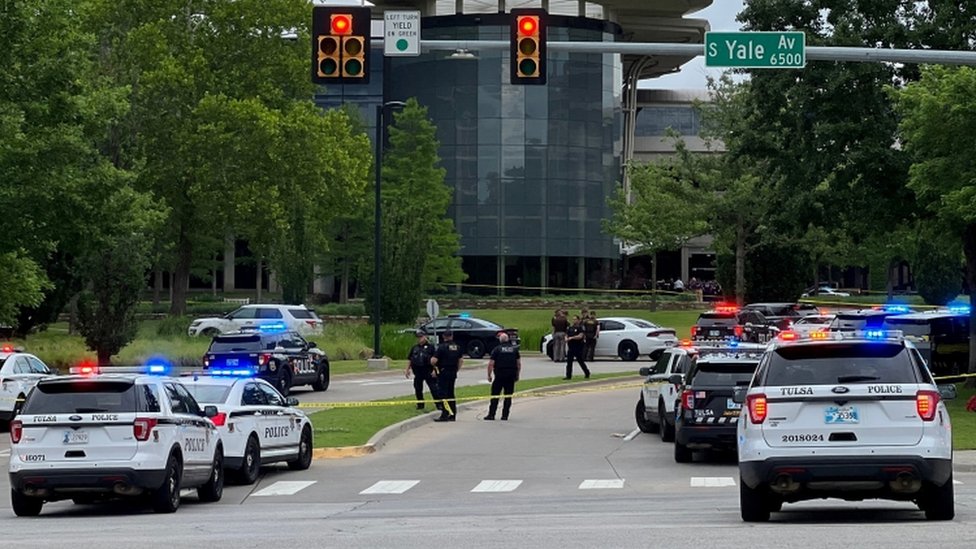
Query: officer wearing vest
x=448, y=359
x=419, y=363
x=591, y=331
x=576, y=349
x=505, y=365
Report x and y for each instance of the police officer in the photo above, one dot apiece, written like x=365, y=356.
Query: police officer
x=591, y=331
x=419, y=362
x=576, y=350
x=448, y=359
x=506, y=365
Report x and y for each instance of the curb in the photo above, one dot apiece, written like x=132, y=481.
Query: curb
x=390, y=432
x=964, y=461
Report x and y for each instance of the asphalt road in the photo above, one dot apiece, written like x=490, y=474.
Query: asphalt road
x=565, y=472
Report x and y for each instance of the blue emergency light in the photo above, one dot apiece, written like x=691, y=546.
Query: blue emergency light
x=233, y=372
x=897, y=308
x=158, y=365
x=875, y=334
x=957, y=307
x=273, y=328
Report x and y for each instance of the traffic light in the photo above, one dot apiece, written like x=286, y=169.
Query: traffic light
x=528, y=47
x=340, y=45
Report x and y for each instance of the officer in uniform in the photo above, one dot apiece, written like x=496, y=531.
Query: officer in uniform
x=591, y=331
x=506, y=365
x=419, y=362
x=575, y=343
x=448, y=359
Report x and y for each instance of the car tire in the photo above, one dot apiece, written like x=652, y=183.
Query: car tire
x=213, y=490
x=283, y=381
x=304, y=460
x=627, y=351
x=682, y=454
x=752, y=503
x=251, y=462
x=550, y=352
x=321, y=382
x=25, y=506
x=476, y=348
x=166, y=499
x=210, y=332
x=938, y=502
x=667, y=430
x=640, y=414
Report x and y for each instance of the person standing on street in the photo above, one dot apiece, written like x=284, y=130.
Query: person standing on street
x=575, y=342
x=448, y=359
x=419, y=363
x=505, y=365
x=591, y=331
x=559, y=325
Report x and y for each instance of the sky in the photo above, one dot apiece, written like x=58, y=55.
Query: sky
x=721, y=15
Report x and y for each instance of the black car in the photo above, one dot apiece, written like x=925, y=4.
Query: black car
x=729, y=322
x=941, y=337
x=475, y=335
x=283, y=358
x=706, y=416
x=782, y=315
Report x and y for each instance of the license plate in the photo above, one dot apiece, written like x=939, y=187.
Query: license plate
x=733, y=405
x=75, y=437
x=714, y=333
x=840, y=414
x=669, y=344
x=232, y=361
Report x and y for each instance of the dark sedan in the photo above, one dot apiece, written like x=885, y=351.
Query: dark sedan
x=475, y=335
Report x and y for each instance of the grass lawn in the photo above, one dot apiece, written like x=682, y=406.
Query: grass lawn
x=963, y=422
x=354, y=426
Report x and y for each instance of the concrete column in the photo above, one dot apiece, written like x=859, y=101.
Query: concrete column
x=581, y=272
x=229, y=264
x=458, y=7
x=685, y=264
x=273, y=282
x=544, y=273
x=582, y=8
x=501, y=6
x=545, y=5
x=318, y=283
x=500, y=276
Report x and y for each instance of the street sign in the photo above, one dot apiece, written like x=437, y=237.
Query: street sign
x=401, y=33
x=755, y=50
x=433, y=308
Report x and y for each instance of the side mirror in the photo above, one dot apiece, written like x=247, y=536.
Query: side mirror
x=645, y=371
x=676, y=379
x=947, y=392
x=312, y=344
x=291, y=401
x=739, y=395
x=210, y=411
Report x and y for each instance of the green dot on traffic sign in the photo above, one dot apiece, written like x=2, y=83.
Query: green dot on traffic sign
x=402, y=44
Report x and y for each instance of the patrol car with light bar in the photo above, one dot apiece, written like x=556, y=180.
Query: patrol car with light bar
x=257, y=425
x=19, y=372
x=853, y=415
x=93, y=436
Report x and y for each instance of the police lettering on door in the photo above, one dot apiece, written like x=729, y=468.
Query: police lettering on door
x=276, y=432
x=196, y=445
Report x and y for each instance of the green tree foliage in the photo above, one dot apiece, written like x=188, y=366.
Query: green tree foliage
x=420, y=245
x=22, y=283
x=938, y=268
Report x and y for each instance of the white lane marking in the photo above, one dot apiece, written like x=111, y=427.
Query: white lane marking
x=601, y=484
x=711, y=482
x=4, y=453
x=630, y=436
x=391, y=487
x=497, y=486
x=954, y=481
x=285, y=488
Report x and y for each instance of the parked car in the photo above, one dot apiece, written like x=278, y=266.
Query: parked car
x=282, y=358
x=729, y=322
x=782, y=315
x=476, y=336
x=941, y=337
x=812, y=323
x=297, y=318
x=626, y=338
x=825, y=291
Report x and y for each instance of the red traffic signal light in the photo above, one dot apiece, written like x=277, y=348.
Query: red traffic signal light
x=528, y=24
x=340, y=45
x=341, y=24
x=528, y=46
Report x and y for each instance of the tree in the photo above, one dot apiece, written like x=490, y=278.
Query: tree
x=939, y=131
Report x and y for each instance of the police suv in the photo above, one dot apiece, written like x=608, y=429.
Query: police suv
x=282, y=357
x=93, y=437
x=257, y=425
x=655, y=407
x=851, y=415
x=19, y=372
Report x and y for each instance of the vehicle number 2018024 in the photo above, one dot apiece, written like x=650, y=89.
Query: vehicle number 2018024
x=803, y=438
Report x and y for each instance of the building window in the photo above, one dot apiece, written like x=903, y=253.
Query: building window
x=655, y=121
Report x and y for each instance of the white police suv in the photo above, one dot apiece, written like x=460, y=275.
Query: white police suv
x=93, y=437
x=852, y=415
x=19, y=372
x=257, y=425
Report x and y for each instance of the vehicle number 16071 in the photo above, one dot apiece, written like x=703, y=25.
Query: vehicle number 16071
x=803, y=438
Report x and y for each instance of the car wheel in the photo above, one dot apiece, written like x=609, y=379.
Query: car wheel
x=166, y=499
x=752, y=503
x=211, y=332
x=322, y=377
x=251, y=464
x=682, y=454
x=25, y=506
x=667, y=429
x=476, y=348
x=283, y=382
x=640, y=414
x=550, y=352
x=627, y=351
x=938, y=501
x=304, y=460
x=213, y=490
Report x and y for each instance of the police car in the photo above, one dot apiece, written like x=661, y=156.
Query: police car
x=19, y=372
x=280, y=356
x=258, y=426
x=852, y=415
x=93, y=437
x=655, y=407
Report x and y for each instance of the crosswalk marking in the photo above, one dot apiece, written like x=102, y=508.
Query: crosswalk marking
x=497, y=486
x=285, y=488
x=711, y=482
x=601, y=484
x=4, y=453
x=391, y=487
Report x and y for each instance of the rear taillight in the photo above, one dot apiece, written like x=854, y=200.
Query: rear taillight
x=659, y=333
x=738, y=331
x=263, y=359
x=206, y=362
x=757, y=406
x=688, y=399
x=926, y=403
x=16, y=431
x=312, y=323
x=694, y=331
x=219, y=420
x=142, y=427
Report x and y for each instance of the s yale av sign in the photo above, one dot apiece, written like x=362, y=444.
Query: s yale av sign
x=755, y=50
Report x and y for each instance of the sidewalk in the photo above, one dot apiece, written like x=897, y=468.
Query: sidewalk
x=964, y=461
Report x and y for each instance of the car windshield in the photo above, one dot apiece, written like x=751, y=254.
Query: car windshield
x=724, y=373
x=849, y=362
x=208, y=394
x=236, y=344
x=82, y=396
x=717, y=319
x=488, y=324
